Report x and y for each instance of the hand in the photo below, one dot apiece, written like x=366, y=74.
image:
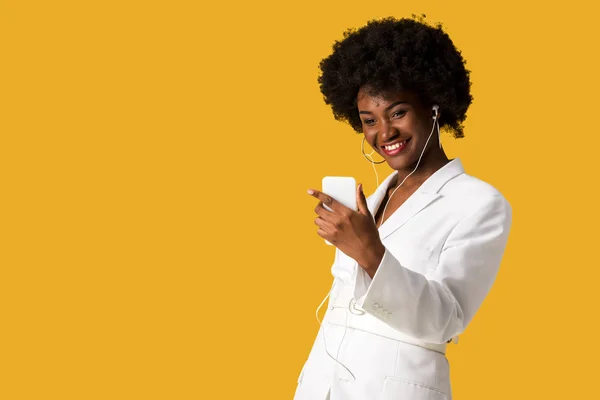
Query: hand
x=353, y=232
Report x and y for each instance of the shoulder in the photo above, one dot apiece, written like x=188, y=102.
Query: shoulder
x=470, y=195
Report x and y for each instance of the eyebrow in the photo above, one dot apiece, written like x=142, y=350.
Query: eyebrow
x=387, y=108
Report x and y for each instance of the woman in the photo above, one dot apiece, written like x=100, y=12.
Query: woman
x=415, y=262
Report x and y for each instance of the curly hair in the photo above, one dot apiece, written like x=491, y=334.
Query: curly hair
x=389, y=55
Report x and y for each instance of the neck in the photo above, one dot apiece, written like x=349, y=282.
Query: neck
x=430, y=163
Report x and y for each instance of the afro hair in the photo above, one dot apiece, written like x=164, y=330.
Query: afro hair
x=391, y=55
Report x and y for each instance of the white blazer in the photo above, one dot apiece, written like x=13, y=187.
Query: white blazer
x=386, y=336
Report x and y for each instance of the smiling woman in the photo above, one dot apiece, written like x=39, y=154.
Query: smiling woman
x=415, y=262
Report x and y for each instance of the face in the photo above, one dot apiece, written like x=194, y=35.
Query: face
x=397, y=126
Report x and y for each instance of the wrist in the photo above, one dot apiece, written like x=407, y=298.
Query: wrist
x=372, y=263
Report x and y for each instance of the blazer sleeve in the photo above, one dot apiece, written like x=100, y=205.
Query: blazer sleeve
x=439, y=305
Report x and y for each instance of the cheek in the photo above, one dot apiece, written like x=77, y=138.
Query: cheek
x=409, y=125
x=370, y=138
x=405, y=125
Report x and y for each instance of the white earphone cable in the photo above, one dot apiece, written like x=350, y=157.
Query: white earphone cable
x=321, y=328
x=323, y=333
x=435, y=124
x=373, y=165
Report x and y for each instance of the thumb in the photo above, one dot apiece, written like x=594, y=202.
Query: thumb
x=361, y=201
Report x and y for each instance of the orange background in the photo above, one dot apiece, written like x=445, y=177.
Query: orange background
x=157, y=238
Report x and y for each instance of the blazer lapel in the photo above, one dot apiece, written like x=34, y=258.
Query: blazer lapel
x=426, y=194
x=415, y=203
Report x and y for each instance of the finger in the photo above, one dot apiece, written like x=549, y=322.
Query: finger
x=324, y=225
x=325, y=235
x=322, y=212
x=361, y=201
x=327, y=200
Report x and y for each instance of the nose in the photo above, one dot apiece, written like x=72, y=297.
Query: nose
x=386, y=131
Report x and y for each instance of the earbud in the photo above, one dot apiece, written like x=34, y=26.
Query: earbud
x=435, y=111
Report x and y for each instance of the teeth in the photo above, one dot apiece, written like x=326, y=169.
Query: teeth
x=394, y=146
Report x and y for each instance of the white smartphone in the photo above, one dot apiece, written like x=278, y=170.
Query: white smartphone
x=342, y=189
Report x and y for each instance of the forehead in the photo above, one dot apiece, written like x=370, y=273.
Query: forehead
x=368, y=99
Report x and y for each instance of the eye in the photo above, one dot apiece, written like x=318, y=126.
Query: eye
x=368, y=121
x=398, y=113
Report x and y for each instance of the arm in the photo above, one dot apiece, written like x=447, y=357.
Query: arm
x=437, y=306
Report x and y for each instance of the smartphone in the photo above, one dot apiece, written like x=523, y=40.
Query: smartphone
x=342, y=189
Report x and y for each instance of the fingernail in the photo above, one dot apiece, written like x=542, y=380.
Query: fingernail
x=310, y=191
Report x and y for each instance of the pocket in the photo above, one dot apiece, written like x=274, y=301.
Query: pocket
x=400, y=389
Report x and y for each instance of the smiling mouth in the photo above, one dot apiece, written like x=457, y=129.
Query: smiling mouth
x=395, y=148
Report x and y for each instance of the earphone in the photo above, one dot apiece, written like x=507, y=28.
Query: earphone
x=373, y=164
x=343, y=336
x=435, y=109
x=350, y=306
x=436, y=123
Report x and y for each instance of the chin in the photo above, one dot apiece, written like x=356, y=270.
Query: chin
x=403, y=162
